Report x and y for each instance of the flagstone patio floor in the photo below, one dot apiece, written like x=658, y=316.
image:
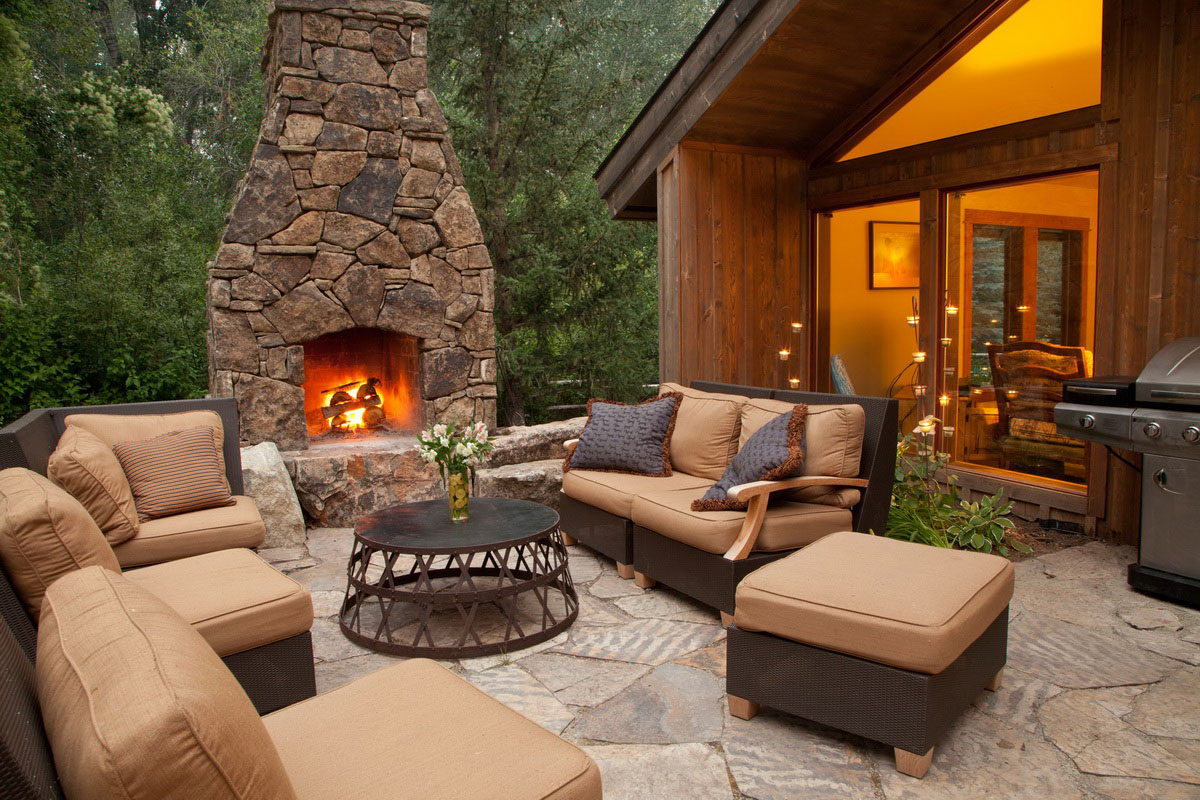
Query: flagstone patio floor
x=1101, y=697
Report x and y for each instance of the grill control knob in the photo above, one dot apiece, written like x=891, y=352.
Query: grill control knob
x=1191, y=434
x=1153, y=430
x=1087, y=422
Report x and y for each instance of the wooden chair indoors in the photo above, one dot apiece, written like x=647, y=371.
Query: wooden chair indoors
x=1028, y=378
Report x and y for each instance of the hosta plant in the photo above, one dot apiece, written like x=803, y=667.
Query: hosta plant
x=931, y=511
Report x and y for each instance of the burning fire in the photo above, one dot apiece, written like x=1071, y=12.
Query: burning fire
x=354, y=406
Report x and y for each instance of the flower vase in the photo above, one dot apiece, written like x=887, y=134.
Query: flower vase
x=457, y=487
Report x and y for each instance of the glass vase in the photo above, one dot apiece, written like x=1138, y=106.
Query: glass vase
x=458, y=491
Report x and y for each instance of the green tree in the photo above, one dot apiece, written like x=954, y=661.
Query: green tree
x=536, y=93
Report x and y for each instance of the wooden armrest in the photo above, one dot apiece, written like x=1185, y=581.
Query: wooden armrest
x=758, y=493
x=570, y=444
x=745, y=491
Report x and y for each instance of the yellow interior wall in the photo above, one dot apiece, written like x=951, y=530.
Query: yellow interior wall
x=867, y=327
x=1042, y=60
x=1066, y=196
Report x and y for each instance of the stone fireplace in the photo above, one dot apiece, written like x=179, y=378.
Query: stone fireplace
x=352, y=293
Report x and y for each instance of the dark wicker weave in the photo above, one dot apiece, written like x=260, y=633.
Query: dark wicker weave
x=708, y=577
x=276, y=675
x=603, y=532
x=903, y=709
x=26, y=765
x=29, y=441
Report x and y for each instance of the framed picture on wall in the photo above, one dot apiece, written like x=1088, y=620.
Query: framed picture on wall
x=895, y=249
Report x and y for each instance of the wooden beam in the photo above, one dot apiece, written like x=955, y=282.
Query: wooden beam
x=1025, y=129
x=1034, y=166
x=674, y=112
x=935, y=57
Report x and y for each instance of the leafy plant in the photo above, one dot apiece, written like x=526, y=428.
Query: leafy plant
x=931, y=511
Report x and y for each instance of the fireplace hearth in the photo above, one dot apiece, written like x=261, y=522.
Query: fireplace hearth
x=352, y=294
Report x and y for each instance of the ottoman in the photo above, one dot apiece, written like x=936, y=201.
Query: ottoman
x=885, y=639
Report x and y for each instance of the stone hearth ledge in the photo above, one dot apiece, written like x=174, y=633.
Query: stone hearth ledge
x=339, y=481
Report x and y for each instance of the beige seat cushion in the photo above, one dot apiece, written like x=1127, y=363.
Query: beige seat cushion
x=833, y=440
x=137, y=705
x=114, y=428
x=87, y=468
x=44, y=534
x=900, y=603
x=417, y=730
x=614, y=491
x=705, y=438
x=233, y=598
x=787, y=525
x=191, y=534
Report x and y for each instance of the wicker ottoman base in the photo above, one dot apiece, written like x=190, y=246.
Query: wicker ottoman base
x=907, y=710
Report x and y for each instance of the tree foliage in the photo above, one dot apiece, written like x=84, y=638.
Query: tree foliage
x=125, y=125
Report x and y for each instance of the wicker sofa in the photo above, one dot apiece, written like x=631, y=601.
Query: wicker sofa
x=31, y=440
x=257, y=619
x=125, y=699
x=646, y=524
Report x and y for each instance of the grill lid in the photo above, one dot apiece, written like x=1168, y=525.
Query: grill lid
x=1172, y=377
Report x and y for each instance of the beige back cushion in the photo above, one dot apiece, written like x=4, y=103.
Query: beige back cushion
x=114, y=428
x=705, y=438
x=87, y=468
x=137, y=705
x=833, y=437
x=45, y=533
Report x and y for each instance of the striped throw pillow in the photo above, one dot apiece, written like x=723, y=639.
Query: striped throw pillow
x=174, y=473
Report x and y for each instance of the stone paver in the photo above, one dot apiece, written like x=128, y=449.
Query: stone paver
x=519, y=690
x=663, y=772
x=1101, y=697
x=775, y=757
x=671, y=705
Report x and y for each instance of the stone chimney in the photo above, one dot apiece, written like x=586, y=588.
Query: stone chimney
x=352, y=217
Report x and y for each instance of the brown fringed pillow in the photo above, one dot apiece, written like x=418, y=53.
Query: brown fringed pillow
x=624, y=438
x=774, y=452
x=174, y=473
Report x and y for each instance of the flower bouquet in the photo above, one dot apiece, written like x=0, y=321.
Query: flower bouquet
x=457, y=452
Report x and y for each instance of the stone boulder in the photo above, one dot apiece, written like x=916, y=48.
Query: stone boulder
x=538, y=481
x=268, y=484
x=534, y=442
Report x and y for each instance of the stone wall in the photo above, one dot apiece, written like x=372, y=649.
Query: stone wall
x=353, y=214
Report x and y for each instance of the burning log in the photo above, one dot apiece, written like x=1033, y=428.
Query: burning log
x=332, y=411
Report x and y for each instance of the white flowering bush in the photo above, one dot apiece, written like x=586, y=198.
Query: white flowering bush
x=455, y=449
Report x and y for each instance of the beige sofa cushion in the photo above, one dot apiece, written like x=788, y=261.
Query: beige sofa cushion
x=833, y=439
x=787, y=525
x=86, y=467
x=909, y=605
x=44, y=534
x=196, y=532
x=233, y=598
x=418, y=730
x=705, y=438
x=137, y=705
x=614, y=491
x=114, y=428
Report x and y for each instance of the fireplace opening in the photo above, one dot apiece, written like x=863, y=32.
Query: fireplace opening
x=361, y=381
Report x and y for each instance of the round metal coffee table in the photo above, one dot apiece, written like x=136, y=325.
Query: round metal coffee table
x=421, y=585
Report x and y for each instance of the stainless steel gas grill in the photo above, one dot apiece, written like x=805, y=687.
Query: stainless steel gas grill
x=1156, y=414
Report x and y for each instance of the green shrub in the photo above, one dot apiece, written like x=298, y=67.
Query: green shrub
x=931, y=512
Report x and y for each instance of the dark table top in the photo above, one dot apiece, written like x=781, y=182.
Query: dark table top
x=422, y=528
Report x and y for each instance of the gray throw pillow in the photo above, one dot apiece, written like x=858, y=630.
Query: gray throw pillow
x=624, y=438
x=774, y=452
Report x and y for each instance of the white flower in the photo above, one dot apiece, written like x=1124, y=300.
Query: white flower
x=462, y=450
x=444, y=441
x=439, y=430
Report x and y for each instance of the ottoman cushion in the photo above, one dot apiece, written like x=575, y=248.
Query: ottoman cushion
x=908, y=605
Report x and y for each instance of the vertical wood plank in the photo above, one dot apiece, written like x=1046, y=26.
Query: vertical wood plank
x=929, y=300
x=668, y=270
